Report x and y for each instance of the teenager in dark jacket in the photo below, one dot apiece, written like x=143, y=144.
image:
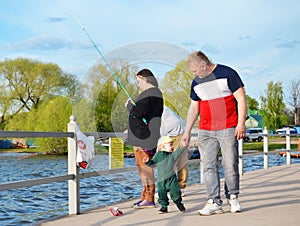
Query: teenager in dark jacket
x=144, y=131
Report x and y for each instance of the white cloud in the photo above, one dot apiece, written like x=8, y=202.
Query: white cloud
x=288, y=44
x=55, y=19
x=244, y=37
x=44, y=43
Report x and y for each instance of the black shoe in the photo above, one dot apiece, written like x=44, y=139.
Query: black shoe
x=162, y=210
x=181, y=207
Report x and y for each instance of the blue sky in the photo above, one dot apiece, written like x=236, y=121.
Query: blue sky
x=258, y=38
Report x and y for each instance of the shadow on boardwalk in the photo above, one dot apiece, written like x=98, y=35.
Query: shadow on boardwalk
x=268, y=197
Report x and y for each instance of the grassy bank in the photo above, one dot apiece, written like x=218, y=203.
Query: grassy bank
x=23, y=150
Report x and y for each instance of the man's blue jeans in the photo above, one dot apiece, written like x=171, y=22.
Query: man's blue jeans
x=210, y=143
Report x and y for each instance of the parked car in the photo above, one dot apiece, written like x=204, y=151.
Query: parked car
x=283, y=130
x=254, y=134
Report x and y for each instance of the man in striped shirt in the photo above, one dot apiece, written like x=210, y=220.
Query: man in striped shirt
x=218, y=97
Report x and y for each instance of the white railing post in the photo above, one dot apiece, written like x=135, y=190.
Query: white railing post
x=240, y=142
x=288, y=146
x=73, y=185
x=266, y=149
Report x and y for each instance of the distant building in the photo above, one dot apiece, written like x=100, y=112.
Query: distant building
x=254, y=119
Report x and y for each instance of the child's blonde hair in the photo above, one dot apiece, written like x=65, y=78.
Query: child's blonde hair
x=163, y=140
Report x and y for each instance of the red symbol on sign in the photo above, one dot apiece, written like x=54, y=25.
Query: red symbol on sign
x=81, y=144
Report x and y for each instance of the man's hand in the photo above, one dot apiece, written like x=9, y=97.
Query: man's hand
x=185, y=139
x=240, y=132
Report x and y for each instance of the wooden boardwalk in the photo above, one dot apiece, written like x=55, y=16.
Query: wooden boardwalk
x=268, y=197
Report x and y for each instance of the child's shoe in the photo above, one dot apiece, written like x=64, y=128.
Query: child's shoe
x=181, y=207
x=163, y=210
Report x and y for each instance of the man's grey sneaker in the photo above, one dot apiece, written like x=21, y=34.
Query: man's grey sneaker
x=210, y=208
x=145, y=204
x=162, y=210
x=234, y=203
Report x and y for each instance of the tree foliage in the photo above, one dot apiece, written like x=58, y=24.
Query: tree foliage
x=104, y=98
x=54, y=116
x=252, y=103
x=273, y=107
x=176, y=87
x=25, y=83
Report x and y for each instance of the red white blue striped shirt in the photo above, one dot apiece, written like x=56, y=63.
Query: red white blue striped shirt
x=218, y=107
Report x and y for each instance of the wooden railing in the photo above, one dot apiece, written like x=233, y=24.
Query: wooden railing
x=74, y=176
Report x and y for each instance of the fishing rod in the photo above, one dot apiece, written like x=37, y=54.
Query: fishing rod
x=107, y=64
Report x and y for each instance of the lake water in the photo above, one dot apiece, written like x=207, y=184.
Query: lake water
x=32, y=205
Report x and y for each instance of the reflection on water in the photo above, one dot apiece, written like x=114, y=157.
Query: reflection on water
x=34, y=204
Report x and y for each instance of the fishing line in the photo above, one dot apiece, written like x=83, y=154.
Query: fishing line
x=107, y=64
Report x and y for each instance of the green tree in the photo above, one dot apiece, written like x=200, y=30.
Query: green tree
x=176, y=86
x=25, y=83
x=273, y=107
x=103, y=106
x=85, y=117
x=19, y=122
x=252, y=103
x=53, y=117
x=104, y=97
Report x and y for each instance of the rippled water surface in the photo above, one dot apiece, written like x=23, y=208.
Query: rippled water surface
x=32, y=205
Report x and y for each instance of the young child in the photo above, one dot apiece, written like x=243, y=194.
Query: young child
x=165, y=159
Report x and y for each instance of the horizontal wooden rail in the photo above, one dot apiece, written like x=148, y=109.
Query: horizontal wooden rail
x=106, y=134
x=106, y=172
x=29, y=183
x=24, y=134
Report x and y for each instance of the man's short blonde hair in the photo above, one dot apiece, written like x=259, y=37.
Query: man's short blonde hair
x=198, y=57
